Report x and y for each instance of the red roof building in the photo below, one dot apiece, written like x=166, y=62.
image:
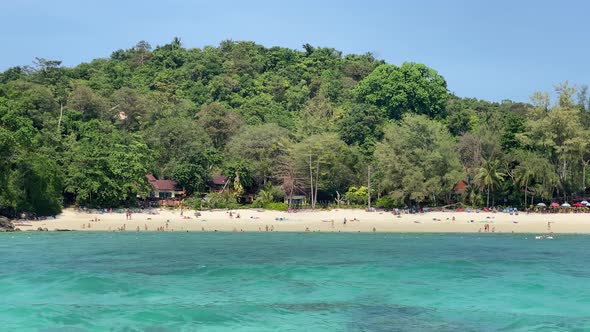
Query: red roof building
x=164, y=188
x=460, y=187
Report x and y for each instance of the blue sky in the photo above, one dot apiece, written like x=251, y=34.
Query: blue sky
x=491, y=50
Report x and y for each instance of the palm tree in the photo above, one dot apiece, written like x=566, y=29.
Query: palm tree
x=524, y=175
x=472, y=195
x=536, y=174
x=489, y=176
x=176, y=43
x=265, y=196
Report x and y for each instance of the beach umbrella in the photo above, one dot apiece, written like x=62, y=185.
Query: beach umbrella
x=542, y=205
x=584, y=202
x=554, y=204
x=578, y=204
x=566, y=204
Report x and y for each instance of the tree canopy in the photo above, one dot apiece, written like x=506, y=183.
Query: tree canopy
x=309, y=121
x=411, y=87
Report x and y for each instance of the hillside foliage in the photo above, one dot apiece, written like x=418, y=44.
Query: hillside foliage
x=306, y=122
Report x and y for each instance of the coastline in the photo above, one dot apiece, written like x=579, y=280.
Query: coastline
x=252, y=220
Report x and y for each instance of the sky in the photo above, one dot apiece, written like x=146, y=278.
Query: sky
x=492, y=50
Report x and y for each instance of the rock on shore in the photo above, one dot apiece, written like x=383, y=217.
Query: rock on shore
x=6, y=225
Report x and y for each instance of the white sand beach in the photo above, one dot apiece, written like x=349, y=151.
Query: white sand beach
x=316, y=221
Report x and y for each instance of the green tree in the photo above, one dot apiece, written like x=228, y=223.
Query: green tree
x=489, y=176
x=260, y=147
x=37, y=183
x=85, y=101
x=357, y=195
x=182, y=151
x=524, y=175
x=534, y=172
x=317, y=117
x=219, y=122
x=106, y=167
x=328, y=164
x=417, y=160
x=557, y=134
x=130, y=108
x=411, y=87
x=362, y=125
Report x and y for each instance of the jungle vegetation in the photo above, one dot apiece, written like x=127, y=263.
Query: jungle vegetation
x=277, y=122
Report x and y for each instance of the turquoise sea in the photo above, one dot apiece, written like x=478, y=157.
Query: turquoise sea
x=293, y=282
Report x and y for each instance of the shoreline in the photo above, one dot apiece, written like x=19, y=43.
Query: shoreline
x=316, y=221
x=299, y=232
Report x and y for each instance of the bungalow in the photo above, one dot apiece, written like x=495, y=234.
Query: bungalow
x=164, y=189
x=217, y=183
x=296, y=200
x=460, y=187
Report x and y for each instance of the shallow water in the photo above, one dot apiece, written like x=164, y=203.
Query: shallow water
x=292, y=282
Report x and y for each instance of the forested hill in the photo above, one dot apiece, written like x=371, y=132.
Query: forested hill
x=280, y=121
